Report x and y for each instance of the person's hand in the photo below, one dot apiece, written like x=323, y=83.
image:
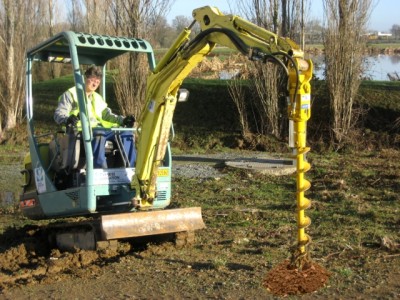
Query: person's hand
x=72, y=121
x=128, y=121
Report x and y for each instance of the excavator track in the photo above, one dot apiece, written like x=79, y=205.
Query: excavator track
x=74, y=238
x=104, y=231
x=73, y=235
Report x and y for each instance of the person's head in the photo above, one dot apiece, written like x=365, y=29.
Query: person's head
x=93, y=76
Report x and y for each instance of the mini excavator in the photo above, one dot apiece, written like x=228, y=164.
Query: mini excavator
x=133, y=201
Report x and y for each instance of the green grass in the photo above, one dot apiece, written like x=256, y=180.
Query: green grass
x=355, y=199
x=381, y=94
x=355, y=205
x=393, y=45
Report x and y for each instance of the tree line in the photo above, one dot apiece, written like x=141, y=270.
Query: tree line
x=25, y=23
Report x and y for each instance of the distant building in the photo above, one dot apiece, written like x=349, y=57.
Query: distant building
x=384, y=35
x=378, y=36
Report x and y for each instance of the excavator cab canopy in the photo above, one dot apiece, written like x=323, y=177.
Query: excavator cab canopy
x=87, y=49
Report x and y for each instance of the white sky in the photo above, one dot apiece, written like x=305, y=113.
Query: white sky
x=384, y=15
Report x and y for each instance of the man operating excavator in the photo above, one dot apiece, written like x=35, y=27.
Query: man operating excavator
x=100, y=116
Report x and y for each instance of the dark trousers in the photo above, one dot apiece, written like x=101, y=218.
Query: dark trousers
x=98, y=145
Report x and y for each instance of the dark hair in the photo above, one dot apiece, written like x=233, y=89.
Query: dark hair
x=94, y=71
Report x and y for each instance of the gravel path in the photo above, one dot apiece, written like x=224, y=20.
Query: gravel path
x=209, y=165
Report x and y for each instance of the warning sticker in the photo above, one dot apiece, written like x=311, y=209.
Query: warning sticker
x=40, y=180
x=163, y=172
x=305, y=101
x=305, y=98
x=112, y=176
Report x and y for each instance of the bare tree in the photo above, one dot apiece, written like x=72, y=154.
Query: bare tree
x=134, y=18
x=162, y=34
x=266, y=82
x=50, y=20
x=395, y=30
x=17, y=30
x=180, y=22
x=313, y=34
x=97, y=16
x=294, y=15
x=238, y=94
x=52, y=11
x=264, y=13
x=344, y=46
x=75, y=16
x=130, y=80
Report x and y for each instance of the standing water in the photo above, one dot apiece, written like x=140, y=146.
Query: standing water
x=377, y=67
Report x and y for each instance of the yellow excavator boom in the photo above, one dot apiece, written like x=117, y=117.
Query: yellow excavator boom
x=163, y=83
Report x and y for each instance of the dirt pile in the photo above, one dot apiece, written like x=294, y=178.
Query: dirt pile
x=28, y=258
x=285, y=280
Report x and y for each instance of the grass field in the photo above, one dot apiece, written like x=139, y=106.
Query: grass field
x=249, y=217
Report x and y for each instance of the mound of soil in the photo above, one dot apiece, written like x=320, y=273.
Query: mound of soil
x=285, y=280
x=26, y=257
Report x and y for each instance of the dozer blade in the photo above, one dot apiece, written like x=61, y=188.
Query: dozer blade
x=135, y=224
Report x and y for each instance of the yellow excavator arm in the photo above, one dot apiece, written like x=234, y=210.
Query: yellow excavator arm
x=163, y=84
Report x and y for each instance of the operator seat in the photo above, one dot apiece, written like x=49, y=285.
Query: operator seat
x=65, y=152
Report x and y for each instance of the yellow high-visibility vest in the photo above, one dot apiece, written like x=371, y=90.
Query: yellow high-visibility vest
x=95, y=106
